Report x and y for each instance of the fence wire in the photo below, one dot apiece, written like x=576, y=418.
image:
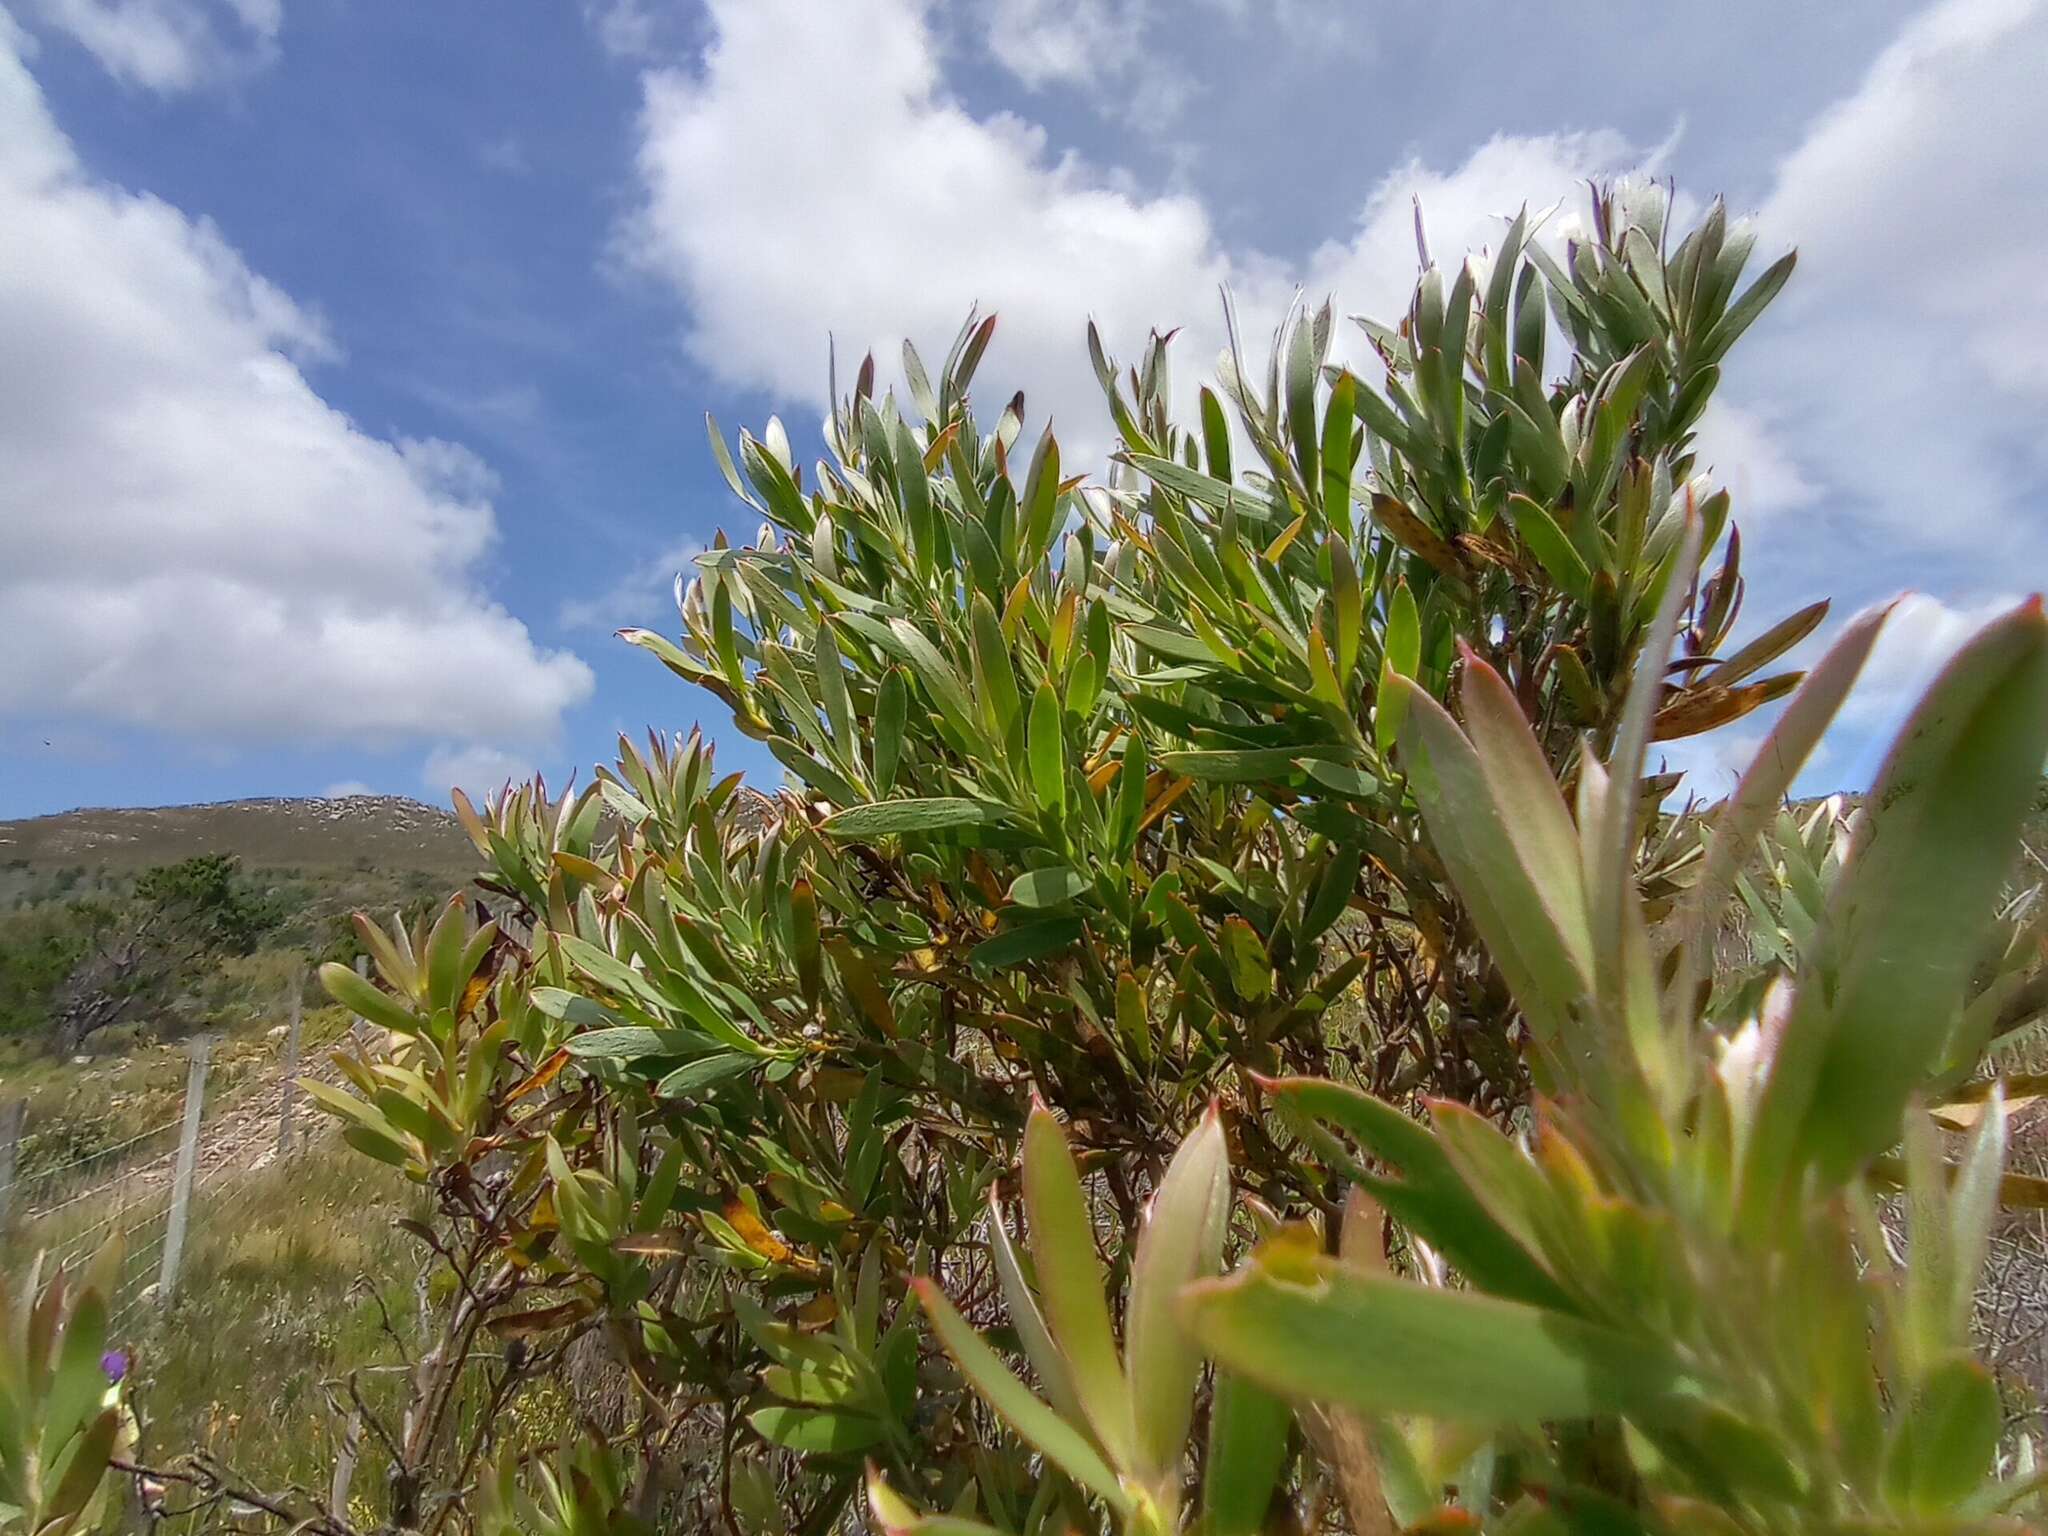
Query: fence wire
x=126, y=1191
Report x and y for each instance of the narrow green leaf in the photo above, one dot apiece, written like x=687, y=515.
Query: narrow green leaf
x=1050, y=887
x=1301, y=402
x=995, y=678
x=884, y=818
x=723, y=456
x=692, y=1081
x=1339, y=418
x=1133, y=1020
x=805, y=943
x=1537, y=821
x=361, y=996
x=1768, y=779
x=831, y=677
x=1027, y=942
x=79, y=1381
x=1340, y=778
x=1428, y=1195
x=1940, y=835
x=1347, y=606
x=630, y=1042
x=1243, y=765
x=1070, y=1281
x=83, y=1470
x=1040, y=504
x=1066, y=1447
x=1947, y=1439
x=1380, y=1345
x=816, y=1431
x=1770, y=645
x=1557, y=554
x=1403, y=658
x=1047, y=749
x=1247, y=1449
x=1215, y=436
x=892, y=709
x=1045, y=1357
x=1743, y=312
x=1471, y=826
x=1165, y=1363
x=1244, y=953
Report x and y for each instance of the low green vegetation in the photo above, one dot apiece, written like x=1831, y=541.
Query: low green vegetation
x=122, y=933
x=287, y=1286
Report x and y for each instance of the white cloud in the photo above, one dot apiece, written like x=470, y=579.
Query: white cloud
x=1711, y=763
x=919, y=208
x=169, y=46
x=1916, y=643
x=644, y=595
x=1107, y=51
x=347, y=789
x=1746, y=454
x=1904, y=369
x=1894, y=393
x=196, y=540
x=789, y=197
x=1308, y=26
x=1068, y=42
x=506, y=153
x=1372, y=271
x=476, y=770
x=631, y=29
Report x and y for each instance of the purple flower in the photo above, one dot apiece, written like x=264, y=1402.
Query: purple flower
x=115, y=1364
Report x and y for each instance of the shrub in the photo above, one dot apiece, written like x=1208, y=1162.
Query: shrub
x=1120, y=797
x=1668, y=1306
x=1094, y=796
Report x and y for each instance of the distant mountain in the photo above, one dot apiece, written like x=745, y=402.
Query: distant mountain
x=354, y=832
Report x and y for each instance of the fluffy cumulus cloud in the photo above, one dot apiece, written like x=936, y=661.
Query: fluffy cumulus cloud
x=1908, y=367
x=1462, y=210
x=198, y=541
x=1883, y=427
x=788, y=197
x=1069, y=42
x=170, y=45
x=477, y=770
x=1918, y=639
x=1713, y=763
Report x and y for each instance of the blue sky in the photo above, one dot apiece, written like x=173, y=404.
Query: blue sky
x=353, y=353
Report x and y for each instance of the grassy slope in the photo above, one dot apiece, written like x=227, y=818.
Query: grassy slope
x=292, y=1271
x=322, y=859
x=359, y=832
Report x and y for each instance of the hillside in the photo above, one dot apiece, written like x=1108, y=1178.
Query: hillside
x=355, y=832
x=305, y=865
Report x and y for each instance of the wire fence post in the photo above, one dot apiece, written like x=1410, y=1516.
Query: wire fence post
x=188, y=1158
x=345, y=1466
x=13, y=1116
x=288, y=1094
